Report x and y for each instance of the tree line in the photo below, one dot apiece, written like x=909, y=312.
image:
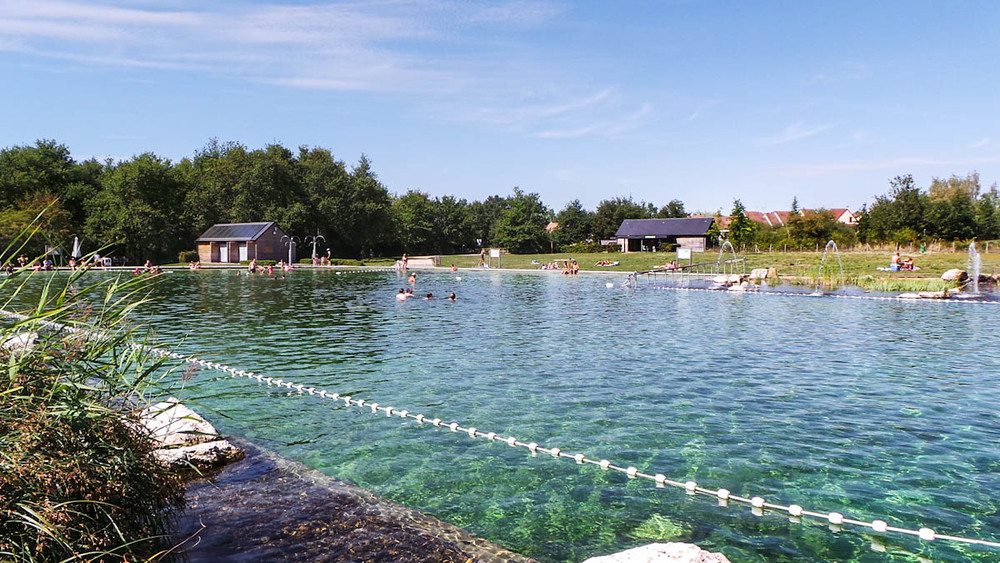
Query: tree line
x=147, y=207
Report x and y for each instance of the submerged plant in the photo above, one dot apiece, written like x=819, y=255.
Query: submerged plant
x=78, y=479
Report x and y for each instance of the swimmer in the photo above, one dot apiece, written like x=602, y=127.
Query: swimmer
x=402, y=295
x=454, y=268
x=429, y=295
x=452, y=297
x=413, y=278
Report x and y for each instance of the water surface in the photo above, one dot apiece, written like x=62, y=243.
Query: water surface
x=876, y=409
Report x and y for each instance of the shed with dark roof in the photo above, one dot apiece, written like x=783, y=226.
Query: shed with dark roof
x=638, y=235
x=238, y=242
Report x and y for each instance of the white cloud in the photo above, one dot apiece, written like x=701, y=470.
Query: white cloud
x=795, y=132
x=980, y=143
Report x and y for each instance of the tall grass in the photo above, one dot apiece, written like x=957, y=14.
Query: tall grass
x=78, y=480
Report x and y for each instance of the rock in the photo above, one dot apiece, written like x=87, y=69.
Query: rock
x=206, y=455
x=172, y=424
x=21, y=342
x=933, y=295
x=908, y=296
x=187, y=440
x=673, y=552
x=759, y=273
x=955, y=275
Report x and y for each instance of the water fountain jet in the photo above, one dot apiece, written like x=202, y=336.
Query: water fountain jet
x=975, y=264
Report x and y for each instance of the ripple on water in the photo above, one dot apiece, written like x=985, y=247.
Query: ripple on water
x=871, y=408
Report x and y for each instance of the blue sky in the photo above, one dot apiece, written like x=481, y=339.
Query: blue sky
x=700, y=101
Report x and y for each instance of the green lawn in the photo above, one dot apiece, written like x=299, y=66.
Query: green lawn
x=859, y=267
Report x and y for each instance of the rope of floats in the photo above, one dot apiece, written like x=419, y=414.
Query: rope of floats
x=758, y=504
x=741, y=291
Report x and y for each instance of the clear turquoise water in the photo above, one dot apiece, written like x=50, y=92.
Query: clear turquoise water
x=871, y=408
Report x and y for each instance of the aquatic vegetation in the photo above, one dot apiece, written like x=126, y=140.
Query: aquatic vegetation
x=660, y=528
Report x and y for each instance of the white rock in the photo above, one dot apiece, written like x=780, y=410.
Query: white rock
x=21, y=342
x=908, y=296
x=759, y=273
x=172, y=424
x=673, y=552
x=954, y=275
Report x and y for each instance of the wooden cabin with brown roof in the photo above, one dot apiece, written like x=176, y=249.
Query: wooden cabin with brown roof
x=232, y=243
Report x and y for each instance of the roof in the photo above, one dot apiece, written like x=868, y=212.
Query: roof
x=661, y=228
x=225, y=232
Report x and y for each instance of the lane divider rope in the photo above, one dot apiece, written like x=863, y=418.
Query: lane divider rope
x=795, y=512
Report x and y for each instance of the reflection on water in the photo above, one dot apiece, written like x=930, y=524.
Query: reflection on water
x=876, y=409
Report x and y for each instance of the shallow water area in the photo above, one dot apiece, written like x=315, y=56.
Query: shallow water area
x=872, y=408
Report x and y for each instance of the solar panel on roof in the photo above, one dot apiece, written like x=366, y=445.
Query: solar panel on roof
x=233, y=232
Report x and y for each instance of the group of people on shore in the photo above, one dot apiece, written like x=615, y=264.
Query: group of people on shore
x=897, y=263
x=148, y=268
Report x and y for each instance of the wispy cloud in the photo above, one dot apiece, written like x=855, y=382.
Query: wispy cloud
x=700, y=109
x=888, y=164
x=386, y=45
x=845, y=72
x=433, y=52
x=794, y=132
x=984, y=142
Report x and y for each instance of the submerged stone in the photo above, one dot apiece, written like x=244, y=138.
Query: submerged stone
x=662, y=553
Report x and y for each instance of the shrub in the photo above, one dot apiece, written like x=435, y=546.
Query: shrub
x=187, y=256
x=581, y=247
x=78, y=479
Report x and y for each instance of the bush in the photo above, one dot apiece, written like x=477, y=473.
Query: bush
x=589, y=247
x=259, y=262
x=78, y=479
x=187, y=256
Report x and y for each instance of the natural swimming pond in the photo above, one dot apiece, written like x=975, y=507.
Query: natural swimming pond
x=876, y=409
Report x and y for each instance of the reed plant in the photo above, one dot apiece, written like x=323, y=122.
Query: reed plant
x=78, y=479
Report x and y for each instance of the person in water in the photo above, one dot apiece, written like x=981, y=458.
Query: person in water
x=413, y=278
x=429, y=295
x=452, y=297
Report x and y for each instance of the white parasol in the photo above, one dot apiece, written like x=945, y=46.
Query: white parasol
x=76, y=248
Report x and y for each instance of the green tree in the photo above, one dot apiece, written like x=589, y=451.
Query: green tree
x=950, y=212
x=673, y=209
x=41, y=212
x=521, y=227
x=365, y=214
x=484, y=217
x=413, y=214
x=326, y=184
x=453, y=230
x=575, y=225
x=138, y=209
x=611, y=212
x=988, y=215
x=742, y=230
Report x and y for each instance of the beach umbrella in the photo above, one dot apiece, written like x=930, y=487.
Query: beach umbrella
x=76, y=248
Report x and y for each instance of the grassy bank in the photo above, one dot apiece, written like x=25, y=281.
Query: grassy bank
x=78, y=480
x=859, y=268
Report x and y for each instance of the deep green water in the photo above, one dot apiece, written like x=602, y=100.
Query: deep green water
x=874, y=409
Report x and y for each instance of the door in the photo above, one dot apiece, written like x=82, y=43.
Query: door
x=224, y=252
x=243, y=252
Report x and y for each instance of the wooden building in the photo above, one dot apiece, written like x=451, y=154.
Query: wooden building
x=645, y=235
x=232, y=243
